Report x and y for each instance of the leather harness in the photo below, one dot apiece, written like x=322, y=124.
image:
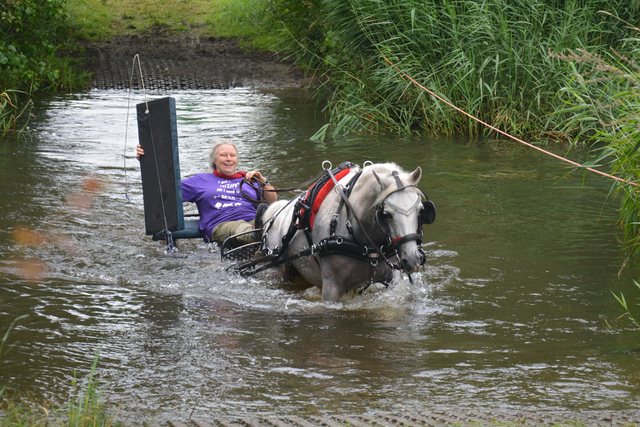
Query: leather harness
x=305, y=209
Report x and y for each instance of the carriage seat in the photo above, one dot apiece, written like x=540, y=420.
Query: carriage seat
x=191, y=230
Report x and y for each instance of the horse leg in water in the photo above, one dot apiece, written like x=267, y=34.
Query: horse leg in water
x=340, y=274
x=331, y=290
x=287, y=272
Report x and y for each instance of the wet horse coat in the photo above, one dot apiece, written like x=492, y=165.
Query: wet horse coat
x=383, y=211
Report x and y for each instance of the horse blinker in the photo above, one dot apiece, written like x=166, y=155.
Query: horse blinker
x=428, y=212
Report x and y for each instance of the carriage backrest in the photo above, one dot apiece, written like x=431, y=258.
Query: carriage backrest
x=160, y=170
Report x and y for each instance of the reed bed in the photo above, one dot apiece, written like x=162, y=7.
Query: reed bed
x=490, y=58
x=601, y=110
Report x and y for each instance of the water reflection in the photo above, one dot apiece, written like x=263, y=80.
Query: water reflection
x=507, y=311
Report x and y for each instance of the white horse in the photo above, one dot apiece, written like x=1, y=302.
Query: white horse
x=376, y=233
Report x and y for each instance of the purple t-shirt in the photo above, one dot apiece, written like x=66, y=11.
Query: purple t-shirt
x=218, y=200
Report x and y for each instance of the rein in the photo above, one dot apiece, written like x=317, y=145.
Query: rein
x=258, y=186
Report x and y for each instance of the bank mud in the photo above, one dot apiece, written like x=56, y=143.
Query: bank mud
x=187, y=62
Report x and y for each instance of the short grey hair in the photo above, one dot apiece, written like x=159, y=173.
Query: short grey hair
x=214, y=152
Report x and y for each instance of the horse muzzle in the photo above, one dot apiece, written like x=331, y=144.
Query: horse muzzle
x=411, y=263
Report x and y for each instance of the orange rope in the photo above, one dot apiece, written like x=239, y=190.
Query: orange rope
x=510, y=136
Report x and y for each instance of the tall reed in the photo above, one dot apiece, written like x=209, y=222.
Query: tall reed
x=489, y=58
x=602, y=101
x=13, y=116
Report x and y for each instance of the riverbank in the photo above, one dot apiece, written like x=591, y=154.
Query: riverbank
x=187, y=61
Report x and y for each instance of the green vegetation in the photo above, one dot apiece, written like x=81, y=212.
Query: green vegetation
x=31, y=34
x=623, y=302
x=601, y=104
x=31, y=31
x=106, y=19
x=10, y=114
x=489, y=58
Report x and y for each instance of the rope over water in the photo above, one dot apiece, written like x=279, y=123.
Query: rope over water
x=126, y=128
x=624, y=181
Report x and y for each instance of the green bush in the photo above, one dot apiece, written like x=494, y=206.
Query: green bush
x=601, y=109
x=30, y=33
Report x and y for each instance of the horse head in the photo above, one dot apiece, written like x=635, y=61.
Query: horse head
x=400, y=213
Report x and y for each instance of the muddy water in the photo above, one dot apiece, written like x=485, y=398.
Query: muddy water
x=510, y=311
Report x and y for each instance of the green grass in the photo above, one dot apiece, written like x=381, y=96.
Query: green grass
x=96, y=20
x=106, y=19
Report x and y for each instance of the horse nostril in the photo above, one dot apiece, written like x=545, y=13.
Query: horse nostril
x=406, y=265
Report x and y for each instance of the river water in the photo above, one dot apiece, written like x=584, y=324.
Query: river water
x=511, y=311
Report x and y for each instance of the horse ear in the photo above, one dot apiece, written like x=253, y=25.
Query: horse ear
x=384, y=182
x=416, y=175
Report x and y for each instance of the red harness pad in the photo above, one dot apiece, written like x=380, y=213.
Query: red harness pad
x=323, y=193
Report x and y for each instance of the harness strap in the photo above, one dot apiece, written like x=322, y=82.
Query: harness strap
x=346, y=201
x=398, y=241
x=398, y=182
x=350, y=246
x=335, y=245
x=348, y=189
x=303, y=214
x=319, y=198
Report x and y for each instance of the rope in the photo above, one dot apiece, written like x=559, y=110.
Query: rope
x=624, y=181
x=126, y=129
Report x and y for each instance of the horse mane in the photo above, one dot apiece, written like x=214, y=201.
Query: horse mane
x=384, y=171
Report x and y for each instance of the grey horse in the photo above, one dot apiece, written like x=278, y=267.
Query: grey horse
x=376, y=234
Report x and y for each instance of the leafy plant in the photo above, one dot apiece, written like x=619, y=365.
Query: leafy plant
x=30, y=31
x=623, y=302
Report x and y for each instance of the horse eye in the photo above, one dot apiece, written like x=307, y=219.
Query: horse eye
x=387, y=215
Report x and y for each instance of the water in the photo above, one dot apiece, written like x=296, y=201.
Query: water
x=510, y=311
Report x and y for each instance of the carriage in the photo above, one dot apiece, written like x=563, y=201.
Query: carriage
x=353, y=227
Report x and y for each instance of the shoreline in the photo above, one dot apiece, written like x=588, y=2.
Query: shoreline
x=186, y=61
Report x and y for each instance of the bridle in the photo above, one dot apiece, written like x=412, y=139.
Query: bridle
x=427, y=214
